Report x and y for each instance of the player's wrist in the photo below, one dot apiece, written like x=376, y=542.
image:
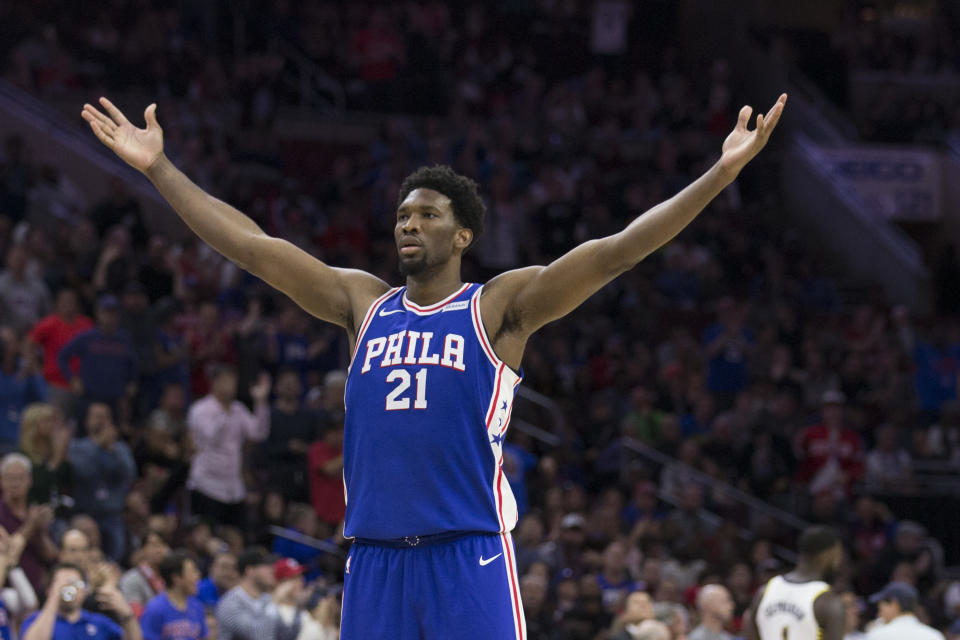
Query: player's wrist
x=157, y=165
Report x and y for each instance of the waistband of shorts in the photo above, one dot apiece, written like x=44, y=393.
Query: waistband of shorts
x=410, y=542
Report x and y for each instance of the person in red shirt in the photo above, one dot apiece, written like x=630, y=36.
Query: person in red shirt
x=51, y=334
x=831, y=455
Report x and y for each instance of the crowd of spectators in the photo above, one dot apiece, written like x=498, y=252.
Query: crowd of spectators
x=156, y=397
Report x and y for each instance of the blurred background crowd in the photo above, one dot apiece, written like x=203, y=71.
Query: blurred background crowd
x=154, y=397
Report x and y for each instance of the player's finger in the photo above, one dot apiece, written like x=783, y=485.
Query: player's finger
x=96, y=115
x=744, y=117
x=150, y=116
x=102, y=135
x=115, y=113
x=775, y=113
x=760, y=122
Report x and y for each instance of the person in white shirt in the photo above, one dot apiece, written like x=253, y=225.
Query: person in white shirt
x=896, y=604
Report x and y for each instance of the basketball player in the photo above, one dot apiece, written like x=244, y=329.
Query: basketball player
x=800, y=605
x=434, y=368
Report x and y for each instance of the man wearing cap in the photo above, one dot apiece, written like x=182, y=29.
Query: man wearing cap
x=245, y=612
x=108, y=364
x=831, y=454
x=896, y=604
x=286, y=597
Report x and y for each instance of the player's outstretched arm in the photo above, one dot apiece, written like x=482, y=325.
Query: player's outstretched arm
x=335, y=295
x=539, y=295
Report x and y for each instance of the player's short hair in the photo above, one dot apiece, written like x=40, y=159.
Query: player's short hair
x=468, y=207
x=817, y=539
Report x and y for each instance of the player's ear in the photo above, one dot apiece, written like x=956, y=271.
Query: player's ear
x=463, y=238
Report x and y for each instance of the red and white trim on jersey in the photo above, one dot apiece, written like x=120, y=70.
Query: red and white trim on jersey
x=519, y=622
x=368, y=316
x=434, y=308
x=497, y=419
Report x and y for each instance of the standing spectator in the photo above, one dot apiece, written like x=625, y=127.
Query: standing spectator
x=176, y=614
x=44, y=438
x=638, y=609
x=63, y=618
x=716, y=612
x=223, y=577
x=140, y=584
x=292, y=430
x=244, y=612
x=120, y=209
x=326, y=476
x=103, y=470
x=831, y=455
x=24, y=298
x=219, y=426
x=614, y=579
x=20, y=384
x=31, y=522
x=75, y=549
x=728, y=344
x=852, y=606
x=51, y=334
x=936, y=364
x=107, y=359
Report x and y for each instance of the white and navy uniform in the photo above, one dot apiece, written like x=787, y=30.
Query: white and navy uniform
x=786, y=612
x=429, y=507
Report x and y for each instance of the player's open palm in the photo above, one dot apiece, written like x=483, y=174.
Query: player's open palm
x=139, y=148
x=743, y=144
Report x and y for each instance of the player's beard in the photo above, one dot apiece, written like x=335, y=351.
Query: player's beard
x=830, y=574
x=414, y=266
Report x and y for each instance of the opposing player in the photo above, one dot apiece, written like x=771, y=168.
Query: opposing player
x=800, y=605
x=434, y=367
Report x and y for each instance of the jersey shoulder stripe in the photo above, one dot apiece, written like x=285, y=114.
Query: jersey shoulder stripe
x=367, y=318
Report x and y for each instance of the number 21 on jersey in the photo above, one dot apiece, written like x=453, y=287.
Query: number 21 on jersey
x=398, y=399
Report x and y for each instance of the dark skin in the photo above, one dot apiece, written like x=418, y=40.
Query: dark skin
x=828, y=608
x=513, y=305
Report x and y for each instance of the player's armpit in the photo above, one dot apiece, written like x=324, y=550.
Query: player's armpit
x=831, y=615
x=336, y=295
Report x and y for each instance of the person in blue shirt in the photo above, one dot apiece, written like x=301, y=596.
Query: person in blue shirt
x=63, y=618
x=223, y=577
x=176, y=614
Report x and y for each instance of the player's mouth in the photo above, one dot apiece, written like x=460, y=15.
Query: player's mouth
x=409, y=246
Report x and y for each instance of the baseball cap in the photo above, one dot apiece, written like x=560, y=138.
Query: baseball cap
x=254, y=557
x=901, y=592
x=832, y=396
x=572, y=521
x=286, y=568
x=911, y=526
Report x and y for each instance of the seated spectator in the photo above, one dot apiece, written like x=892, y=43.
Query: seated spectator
x=63, y=618
x=614, y=579
x=326, y=475
x=45, y=438
x=75, y=549
x=301, y=520
x=103, y=472
x=176, y=613
x=219, y=426
x=716, y=612
x=888, y=465
x=536, y=608
x=20, y=385
x=324, y=611
x=223, y=577
x=293, y=623
x=244, y=612
x=143, y=582
x=51, y=334
x=897, y=605
x=32, y=522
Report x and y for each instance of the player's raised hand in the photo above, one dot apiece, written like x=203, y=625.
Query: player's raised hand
x=139, y=148
x=743, y=144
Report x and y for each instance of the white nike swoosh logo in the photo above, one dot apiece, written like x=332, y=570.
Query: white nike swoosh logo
x=384, y=312
x=484, y=563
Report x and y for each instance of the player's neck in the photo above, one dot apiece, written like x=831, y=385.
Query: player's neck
x=804, y=573
x=429, y=288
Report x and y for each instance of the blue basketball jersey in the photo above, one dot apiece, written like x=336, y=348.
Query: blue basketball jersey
x=427, y=408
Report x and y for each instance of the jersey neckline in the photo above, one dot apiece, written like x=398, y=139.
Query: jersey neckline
x=433, y=308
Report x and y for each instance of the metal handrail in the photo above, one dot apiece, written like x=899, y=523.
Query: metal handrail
x=311, y=75
x=718, y=486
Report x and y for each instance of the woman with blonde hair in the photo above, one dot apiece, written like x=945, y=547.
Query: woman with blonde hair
x=44, y=438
